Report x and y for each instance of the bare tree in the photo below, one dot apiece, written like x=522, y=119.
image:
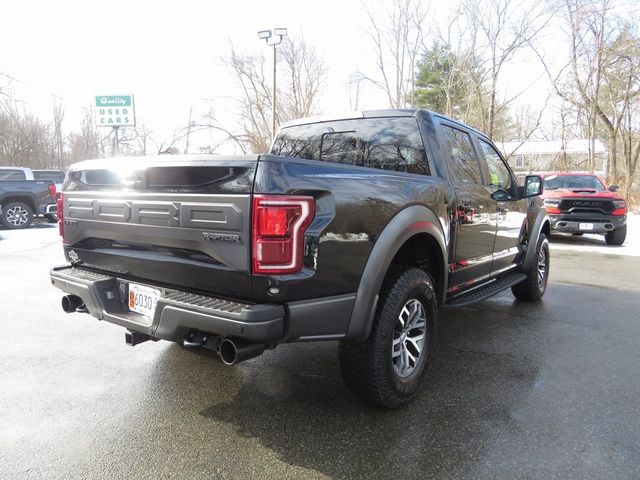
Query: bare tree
x=602, y=81
x=498, y=30
x=84, y=144
x=58, y=146
x=398, y=38
x=301, y=75
x=354, y=86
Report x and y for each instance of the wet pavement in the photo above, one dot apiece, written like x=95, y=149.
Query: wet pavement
x=515, y=390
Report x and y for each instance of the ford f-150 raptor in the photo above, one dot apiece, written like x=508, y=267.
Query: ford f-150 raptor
x=353, y=229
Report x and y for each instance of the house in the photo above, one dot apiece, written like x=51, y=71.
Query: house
x=554, y=155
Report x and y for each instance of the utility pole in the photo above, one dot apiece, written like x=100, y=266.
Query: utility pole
x=273, y=101
x=278, y=34
x=116, y=143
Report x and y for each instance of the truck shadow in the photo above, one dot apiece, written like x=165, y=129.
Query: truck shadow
x=513, y=391
x=294, y=402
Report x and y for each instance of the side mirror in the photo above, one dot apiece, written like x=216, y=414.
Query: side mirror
x=533, y=186
x=614, y=188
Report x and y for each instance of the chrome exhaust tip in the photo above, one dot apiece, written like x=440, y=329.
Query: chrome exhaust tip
x=71, y=303
x=234, y=351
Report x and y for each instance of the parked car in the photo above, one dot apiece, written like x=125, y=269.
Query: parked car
x=579, y=203
x=349, y=230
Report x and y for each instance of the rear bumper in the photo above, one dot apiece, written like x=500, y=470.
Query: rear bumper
x=599, y=224
x=176, y=312
x=51, y=208
x=179, y=312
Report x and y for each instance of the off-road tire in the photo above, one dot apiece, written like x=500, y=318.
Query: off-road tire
x=16, y=215
x=532, y=289
x=617, y=236
x=369, y=367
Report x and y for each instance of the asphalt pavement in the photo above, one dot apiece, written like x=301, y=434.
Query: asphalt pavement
x=536, y=391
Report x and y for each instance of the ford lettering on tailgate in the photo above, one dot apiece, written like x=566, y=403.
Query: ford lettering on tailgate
x=214, y=216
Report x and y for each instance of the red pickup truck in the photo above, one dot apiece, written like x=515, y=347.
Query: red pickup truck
x=580, y=203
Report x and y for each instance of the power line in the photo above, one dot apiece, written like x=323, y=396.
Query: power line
x=58, y=97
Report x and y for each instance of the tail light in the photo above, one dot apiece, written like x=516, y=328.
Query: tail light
x=620, y=208
x=60, y=213
x=52, y=190
x=279, y=225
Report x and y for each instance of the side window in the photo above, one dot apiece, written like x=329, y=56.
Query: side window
x=499, y=173
x=464, y=164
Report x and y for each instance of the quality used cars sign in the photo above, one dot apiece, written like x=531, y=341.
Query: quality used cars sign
x=114, y=111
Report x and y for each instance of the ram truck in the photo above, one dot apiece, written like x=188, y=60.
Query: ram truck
x=357, y=230
x=579, y=202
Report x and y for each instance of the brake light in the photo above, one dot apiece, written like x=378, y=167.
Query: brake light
x=620, y=208
x=60, y=213
x=279, y=225
x=52, y=190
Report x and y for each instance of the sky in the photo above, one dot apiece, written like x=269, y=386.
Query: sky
x=165, y=53
x=168, y=53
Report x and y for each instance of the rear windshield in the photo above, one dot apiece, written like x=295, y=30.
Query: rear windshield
x=12, y=175
x=590, y=182
x=386, y=143
x=55, y=177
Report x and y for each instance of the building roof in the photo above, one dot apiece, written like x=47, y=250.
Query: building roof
x=552, y=147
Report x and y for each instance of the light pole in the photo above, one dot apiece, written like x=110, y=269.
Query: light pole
x=273, y=38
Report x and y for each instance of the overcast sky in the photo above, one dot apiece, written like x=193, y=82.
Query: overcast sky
x=167, y=53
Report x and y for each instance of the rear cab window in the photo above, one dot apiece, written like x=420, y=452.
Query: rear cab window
x=385, y=143
x=12, y=174
x=55, y=177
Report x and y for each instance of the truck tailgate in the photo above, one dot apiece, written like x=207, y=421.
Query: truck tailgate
x=166, y=222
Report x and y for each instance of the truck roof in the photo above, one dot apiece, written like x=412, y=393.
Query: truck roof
x=24, y=169
x=391, y=112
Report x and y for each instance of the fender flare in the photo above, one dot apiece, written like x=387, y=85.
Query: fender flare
x=411, y=221
x=538, y=226
x=21, y=197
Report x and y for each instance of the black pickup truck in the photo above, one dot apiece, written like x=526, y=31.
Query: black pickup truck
x=352, y=229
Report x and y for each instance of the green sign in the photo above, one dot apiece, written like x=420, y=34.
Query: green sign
x=114, y=111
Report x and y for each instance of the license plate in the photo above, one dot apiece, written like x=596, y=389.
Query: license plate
x=585, y=226
x=143, y=299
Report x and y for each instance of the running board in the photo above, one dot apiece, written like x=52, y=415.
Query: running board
x=482, y=293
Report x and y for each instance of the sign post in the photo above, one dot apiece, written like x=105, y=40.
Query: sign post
x=115, y=111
